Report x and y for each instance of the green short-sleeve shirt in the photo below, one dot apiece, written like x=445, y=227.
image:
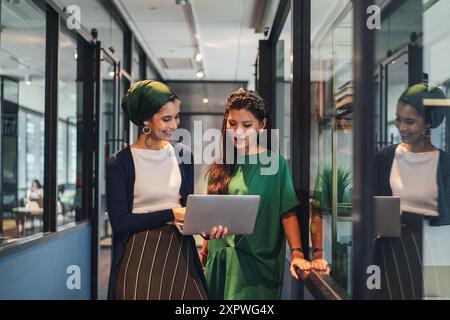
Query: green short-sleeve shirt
x=251, y=266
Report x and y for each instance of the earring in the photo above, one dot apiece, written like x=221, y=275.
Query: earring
x=146, y=130
x=427, y=133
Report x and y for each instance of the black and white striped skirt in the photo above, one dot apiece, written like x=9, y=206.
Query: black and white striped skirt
x=159, y=264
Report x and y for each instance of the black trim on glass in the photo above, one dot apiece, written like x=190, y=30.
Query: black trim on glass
x=415, y=64
x=95, y=180
x=267, y=76
x=301, y=111
x=51, y=119
x=363, y=148
x=284, y=6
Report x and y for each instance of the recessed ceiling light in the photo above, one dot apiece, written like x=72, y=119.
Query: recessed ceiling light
x=205, y=100
x=198, y=57
x=200, y=74
x=27, y=80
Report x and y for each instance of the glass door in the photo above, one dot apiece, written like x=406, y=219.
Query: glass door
x=108, y=128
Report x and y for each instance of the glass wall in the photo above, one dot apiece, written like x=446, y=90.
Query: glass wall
x=150, y=72
x=137, y=66
x=107, y=142
x=283, y=89
x=436, y=45
x=412, y=81
x=70, y=113
x=95, y=16
x=331, y=136
x=22, y=104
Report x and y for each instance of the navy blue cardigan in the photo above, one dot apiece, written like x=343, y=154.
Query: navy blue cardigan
x=120, y=178
x=383, y=166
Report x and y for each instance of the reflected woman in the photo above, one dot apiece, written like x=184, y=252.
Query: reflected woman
x=419, y=173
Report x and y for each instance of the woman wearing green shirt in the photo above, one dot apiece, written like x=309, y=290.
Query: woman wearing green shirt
x=251, y=266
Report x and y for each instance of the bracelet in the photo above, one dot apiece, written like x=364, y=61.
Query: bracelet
x=297, y=249
x=315, y=250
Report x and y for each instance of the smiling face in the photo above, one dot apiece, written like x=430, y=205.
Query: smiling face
x=410, y=124
x=244, y=126
x=165, y=122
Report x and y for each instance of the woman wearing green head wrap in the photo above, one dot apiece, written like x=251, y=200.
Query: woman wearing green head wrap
x=147, y=185
x=417, y=172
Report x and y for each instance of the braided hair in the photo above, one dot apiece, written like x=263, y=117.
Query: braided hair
x=219, y=174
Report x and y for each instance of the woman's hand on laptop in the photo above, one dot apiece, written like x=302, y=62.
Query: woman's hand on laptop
x=216, y=232
x=179, y=213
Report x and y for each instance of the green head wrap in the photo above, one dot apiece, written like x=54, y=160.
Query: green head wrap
x=415, y=95
x=144, y=99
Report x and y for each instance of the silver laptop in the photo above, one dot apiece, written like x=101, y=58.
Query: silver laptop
x=387, y=216
x=236, y=212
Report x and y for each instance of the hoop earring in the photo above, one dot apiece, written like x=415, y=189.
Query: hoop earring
x=427, y=133
x=146, y=130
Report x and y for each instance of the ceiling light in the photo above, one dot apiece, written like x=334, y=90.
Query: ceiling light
x=198, y=57
x=111, y=72
x=205, y=100
x=200, y=74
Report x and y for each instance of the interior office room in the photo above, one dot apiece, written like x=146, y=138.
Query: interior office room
x=335, y=75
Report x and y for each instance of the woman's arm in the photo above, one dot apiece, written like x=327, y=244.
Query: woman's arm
x=121, y=218
x=292, y=230
x=317, y=262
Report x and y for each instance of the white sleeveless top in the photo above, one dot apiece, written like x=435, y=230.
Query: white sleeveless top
x=158, y=179
x=413, y=179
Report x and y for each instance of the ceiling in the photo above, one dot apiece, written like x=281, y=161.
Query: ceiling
x=192, y=95
x=226, y=38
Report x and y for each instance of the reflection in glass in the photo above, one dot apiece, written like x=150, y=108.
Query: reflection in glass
x=412, y=163
x=95, y=15
x=283, y=87
x=70, y=121
x=331, y=136
x=22, y=74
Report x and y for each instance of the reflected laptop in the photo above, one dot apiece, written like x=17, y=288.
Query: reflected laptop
x=236, y=212
x=387, y=216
